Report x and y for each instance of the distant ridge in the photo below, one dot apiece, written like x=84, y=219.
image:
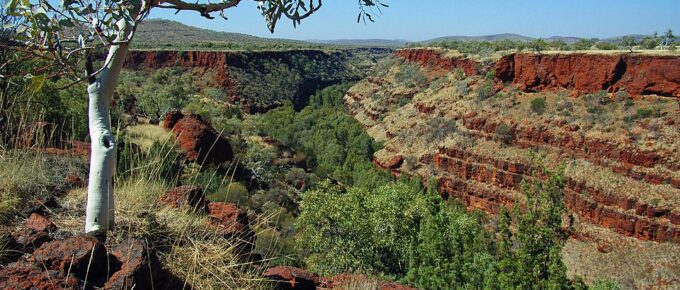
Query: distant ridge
x=492, y=37
x=168, y=34
x=159, y=33
x=365, y=42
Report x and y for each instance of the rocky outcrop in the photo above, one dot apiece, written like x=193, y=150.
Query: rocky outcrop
x=82, y=261
x=468, y=172
x=589, y=73
x=198, y=138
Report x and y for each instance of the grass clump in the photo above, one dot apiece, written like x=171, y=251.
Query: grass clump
x=26, y=175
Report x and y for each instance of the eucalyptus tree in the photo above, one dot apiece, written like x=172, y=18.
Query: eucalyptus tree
x=629, y=42
x=70, y=33
x=668, y=38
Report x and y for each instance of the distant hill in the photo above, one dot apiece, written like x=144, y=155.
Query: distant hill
x=161, y=33
x=567, y=39
x=492, y=37
x=173, y=35
x=364, y=42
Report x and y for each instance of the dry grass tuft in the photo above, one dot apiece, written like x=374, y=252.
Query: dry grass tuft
x=145, y=135
x=27, y=175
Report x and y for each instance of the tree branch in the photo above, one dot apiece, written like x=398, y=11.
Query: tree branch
x=204, y=9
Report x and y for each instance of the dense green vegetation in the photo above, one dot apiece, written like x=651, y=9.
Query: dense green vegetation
x=406, y=232
x=334, y=144
x=157, y=93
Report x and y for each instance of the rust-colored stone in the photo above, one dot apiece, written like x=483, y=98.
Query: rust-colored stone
x=198, y=138
x=39, y=223
x=288, y=277
x=188, y=195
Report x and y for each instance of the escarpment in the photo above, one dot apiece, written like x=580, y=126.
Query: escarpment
x=588, y=73
x=611, y=119
x=262, y=80
x=581, y=73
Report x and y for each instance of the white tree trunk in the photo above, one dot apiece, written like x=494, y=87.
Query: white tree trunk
x=99, y=215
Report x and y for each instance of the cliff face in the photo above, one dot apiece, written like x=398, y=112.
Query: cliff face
x=261, y=80
x=433, y=59
x=580, y=73
x=623, y=170
x=589, y=73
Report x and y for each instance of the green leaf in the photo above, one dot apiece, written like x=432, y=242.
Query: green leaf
x=36, y=82
x=66, y=23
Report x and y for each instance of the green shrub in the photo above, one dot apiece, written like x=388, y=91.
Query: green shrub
x=504, y=133
x=538, y=105
x=233, y=192
x=411, y=75
x=359, y=230
x=485, y=91
x=401, y=230
x=606, y=46
x=605, y=285
x=643, y=113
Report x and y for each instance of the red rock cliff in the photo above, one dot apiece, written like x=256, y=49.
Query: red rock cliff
x=589, y=73
x=215, y=61
x=434, y=59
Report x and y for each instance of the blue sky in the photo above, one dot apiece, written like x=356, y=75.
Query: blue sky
x=426, y=19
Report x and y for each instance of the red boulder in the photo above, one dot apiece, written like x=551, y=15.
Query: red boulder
x=232, y=222
x=185, y=195
x=138, y=270
x=77, y=256
x=292, y=278
x=39, y=223
x=198, y=138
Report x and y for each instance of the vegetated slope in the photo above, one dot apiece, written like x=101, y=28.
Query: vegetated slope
x=168, y=34
x=261, y=80
x=470, y=123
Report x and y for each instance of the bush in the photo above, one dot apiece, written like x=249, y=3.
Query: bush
x=643, y=113
x=403, y=231
x=410, y=75
x=538, y=105
x=606, y=46
x=504, y=133
x=357, y=230
x=485, y=91
x=234, y=192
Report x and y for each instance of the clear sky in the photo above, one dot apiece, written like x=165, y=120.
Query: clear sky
x=425, y=19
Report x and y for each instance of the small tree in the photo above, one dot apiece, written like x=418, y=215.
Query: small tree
x=539, y=45
x=668, y=38
x=650, y=42
x=629, y=42
x=69, y=34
